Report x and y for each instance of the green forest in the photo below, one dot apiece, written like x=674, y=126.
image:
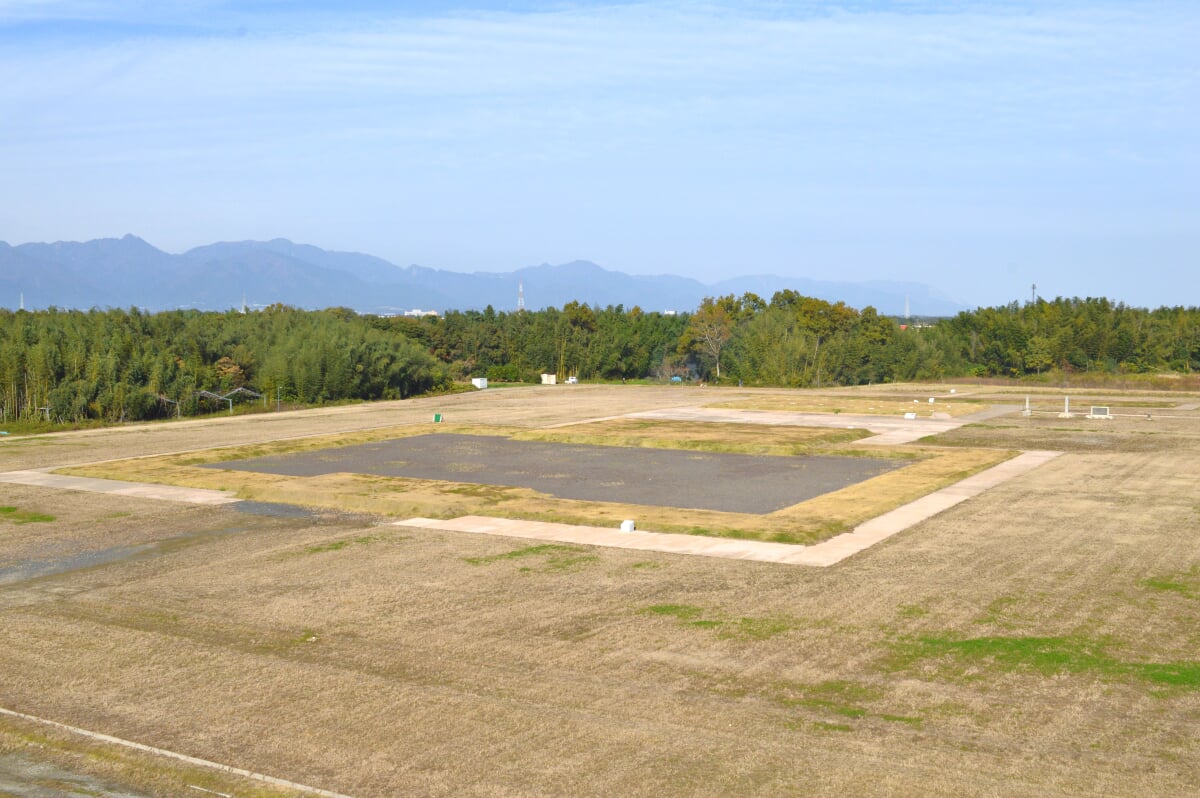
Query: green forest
x=70, y=367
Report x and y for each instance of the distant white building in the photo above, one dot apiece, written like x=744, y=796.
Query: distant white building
x=417, y=312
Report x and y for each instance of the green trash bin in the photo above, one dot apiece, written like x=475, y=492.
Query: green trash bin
x=437, y=417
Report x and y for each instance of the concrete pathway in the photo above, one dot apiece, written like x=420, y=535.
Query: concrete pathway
x=823, y=554
x=141, y=490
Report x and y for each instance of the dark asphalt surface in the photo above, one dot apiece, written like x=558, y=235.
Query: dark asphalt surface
x=659, y=477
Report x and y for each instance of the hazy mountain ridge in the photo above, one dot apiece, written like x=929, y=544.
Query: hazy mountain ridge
x=129, y=272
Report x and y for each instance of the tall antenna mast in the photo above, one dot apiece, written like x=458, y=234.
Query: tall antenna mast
x=1033, y=295
x=906, y=307
x=22, y=300
x=520, y=295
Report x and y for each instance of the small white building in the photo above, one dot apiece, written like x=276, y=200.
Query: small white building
x=549, y=379
x=479, y=382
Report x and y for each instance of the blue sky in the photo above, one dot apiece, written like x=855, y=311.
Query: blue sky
x=978, y=147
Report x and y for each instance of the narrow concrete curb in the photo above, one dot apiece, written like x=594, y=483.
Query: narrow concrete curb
x=141, y=490
x=829, y=552
x=191, y=760
x=729, y=548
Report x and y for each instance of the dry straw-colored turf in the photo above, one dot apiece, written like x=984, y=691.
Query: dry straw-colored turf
x=881, y=405
x=1040, y=639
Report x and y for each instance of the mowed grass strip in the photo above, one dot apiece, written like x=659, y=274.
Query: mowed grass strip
x=928, y=469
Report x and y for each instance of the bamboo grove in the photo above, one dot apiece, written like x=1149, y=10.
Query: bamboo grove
x=63, y=366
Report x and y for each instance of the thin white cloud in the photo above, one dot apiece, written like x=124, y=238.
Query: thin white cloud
x=815, y=107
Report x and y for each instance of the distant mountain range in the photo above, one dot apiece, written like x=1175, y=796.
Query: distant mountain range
x=128, y=272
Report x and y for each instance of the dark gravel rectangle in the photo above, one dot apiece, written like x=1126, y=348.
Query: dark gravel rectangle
x=661, y=477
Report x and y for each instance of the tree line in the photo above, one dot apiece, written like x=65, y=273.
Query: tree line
x=799, y=341
x=123, y=365
x=126, y=365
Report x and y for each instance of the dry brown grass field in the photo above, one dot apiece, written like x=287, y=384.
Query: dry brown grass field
x=1042, y=638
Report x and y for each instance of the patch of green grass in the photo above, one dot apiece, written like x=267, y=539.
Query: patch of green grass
x=740, y=628
x=516, y=554
x=1186, y=585
x=681, y=611
x=1171, y=674
x=338, y=545
x=758, y=628
x=18, y=516
x=910, y=611
x=908, y=719
x=825, y=530
x=841, y=727
x=1047, y=656
x=567, y=562
x=1167, y=586
x=837, y=696
x=649, y=564
x=557, y=557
